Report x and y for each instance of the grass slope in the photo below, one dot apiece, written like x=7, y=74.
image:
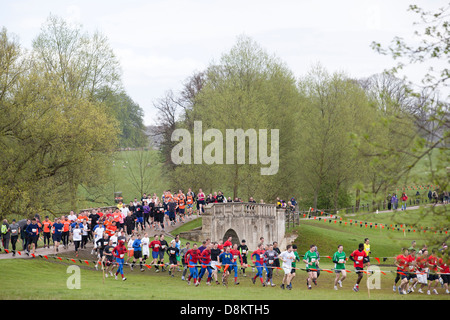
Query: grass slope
x=29, y=279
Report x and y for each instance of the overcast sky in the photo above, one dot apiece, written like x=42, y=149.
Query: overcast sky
x=161, y=43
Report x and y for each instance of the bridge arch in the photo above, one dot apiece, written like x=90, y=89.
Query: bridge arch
x=235, y=238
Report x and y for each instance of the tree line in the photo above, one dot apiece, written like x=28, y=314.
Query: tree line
x=63, y=111
x=341, y=139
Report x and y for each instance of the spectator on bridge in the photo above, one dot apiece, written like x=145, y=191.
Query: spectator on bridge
x=210, y=199
x=293, y=204
x=220, y=197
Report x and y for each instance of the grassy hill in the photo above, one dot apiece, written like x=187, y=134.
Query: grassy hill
x=125, y=176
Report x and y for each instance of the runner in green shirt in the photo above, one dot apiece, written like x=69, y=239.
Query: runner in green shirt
x=294, y=264
x=339, y=259
x=310, y=258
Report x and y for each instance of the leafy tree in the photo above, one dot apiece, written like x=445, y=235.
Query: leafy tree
x=128, y=114
x=431, y=113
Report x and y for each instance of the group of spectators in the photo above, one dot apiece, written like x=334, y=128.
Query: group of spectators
x=433, y=197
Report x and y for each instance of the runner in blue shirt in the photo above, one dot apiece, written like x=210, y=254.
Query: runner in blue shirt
x=137, y=252
x=226, y=260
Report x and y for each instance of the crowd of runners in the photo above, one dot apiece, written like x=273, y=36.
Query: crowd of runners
x=120, y=238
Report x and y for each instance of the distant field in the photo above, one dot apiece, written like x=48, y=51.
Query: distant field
x=384, y=242
x=123, y=166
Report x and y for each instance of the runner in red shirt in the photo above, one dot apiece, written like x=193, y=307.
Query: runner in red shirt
x=155, y=245
x=422, y=269
x=432, y=272
x=412, y=268
x=220, y=246
x=119, y=253
x=402, y=261
x=236, y=255
x=228, y=242
x=259, y=263
x=191, y=258
x=357, y=257
x=444, y=269
x=205, y=259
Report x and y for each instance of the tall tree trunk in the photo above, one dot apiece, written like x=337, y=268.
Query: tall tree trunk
x=358, y=199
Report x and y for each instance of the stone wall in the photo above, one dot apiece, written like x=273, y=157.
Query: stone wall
x=247, y=221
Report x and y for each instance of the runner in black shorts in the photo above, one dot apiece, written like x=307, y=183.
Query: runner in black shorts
x=101, y=244
x=244, y=251
x=159, y=217
x=137, y=252
x=173, y=252
x=108, y=258
x=278, y=251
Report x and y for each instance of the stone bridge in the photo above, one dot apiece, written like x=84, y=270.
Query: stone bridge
x=241, y=220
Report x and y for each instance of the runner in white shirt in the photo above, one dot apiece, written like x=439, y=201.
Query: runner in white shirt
x=72, y=217
x=145, y=241
x=124, y=211
x=85, y=233
x=287, y=257
x=76, y=237
x=130, y=248
x=114, y=239
x=98, y=234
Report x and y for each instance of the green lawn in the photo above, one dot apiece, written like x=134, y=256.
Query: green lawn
x=28, y=279
x=123, y=166
x=384, y=242
x=47, y=279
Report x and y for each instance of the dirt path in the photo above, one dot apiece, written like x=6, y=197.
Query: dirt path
x=85, y=252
